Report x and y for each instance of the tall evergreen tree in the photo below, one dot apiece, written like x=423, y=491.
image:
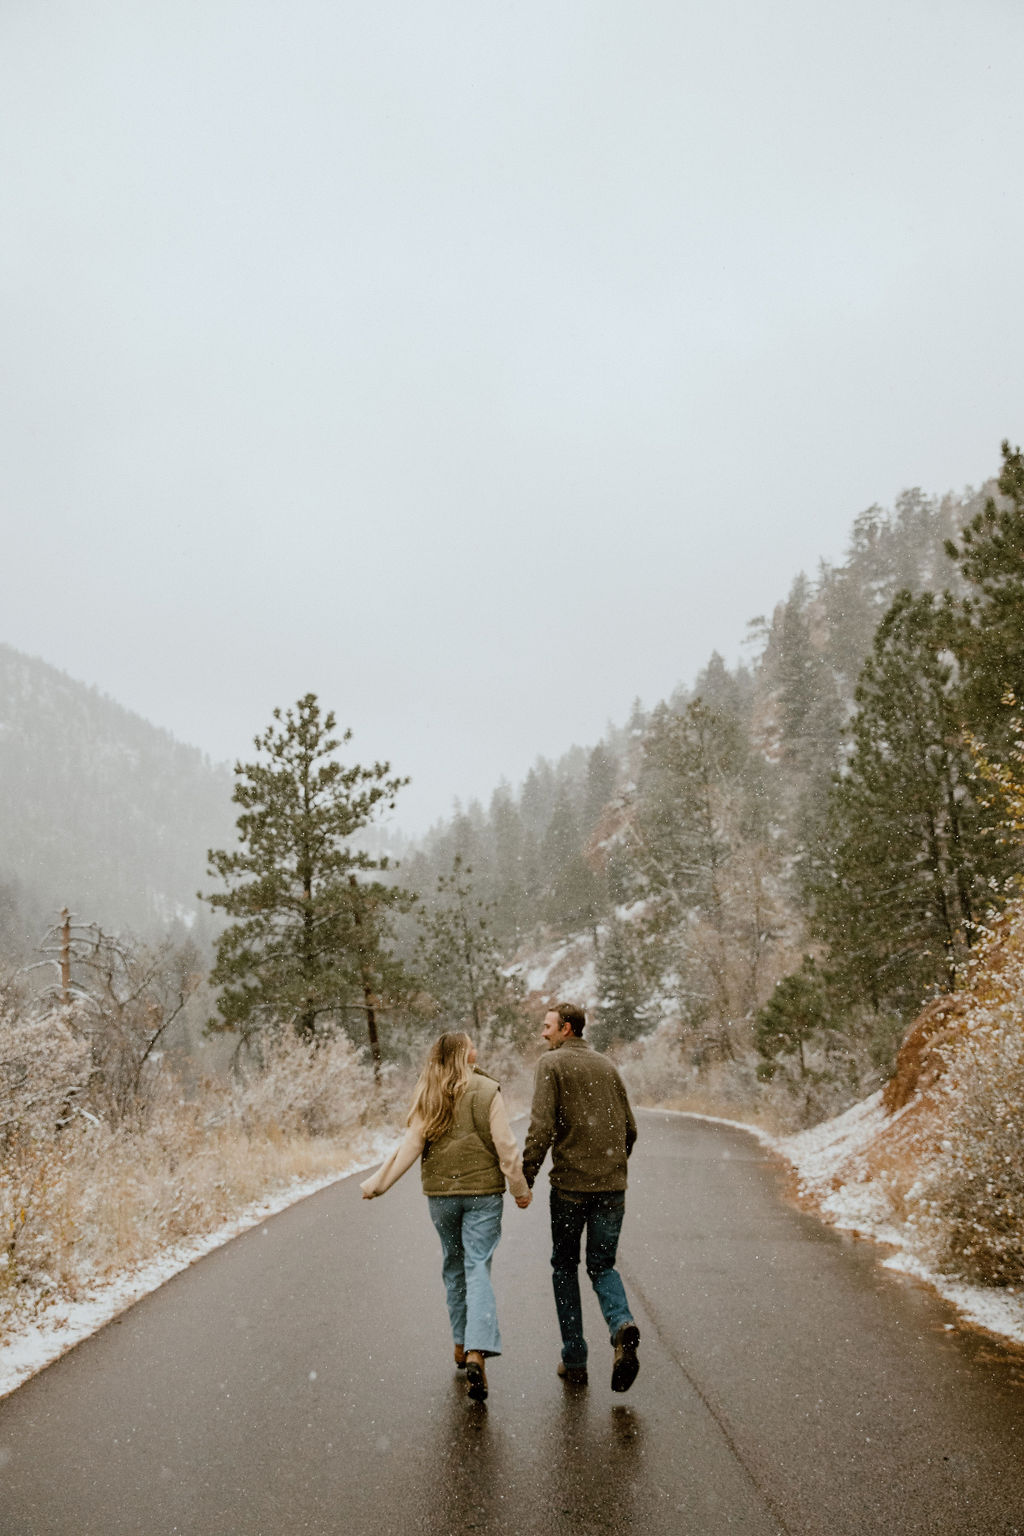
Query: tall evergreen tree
x=537, y=798
x=809, y=718
x=809, y=712
x=602, y=778
x=308, y=945
x=680, y=832
x=904, y=872
x=574, y=894
x=697, y=836
x=457, y=955
x=625, y=987
x=729, y=693
x=990, y=554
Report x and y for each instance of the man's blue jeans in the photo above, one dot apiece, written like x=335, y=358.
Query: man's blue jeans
x=600, y=1215
x=469, y=1227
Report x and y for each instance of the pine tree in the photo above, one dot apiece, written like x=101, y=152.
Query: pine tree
x=904, y=873
x=809, y=713
x=456, y=954
x=308, y=946
x=625, y=1009
x=809, y=716
x=729, y=693
x=459, y=960
x=574, y=894
x=602, y=777
x=991, y=638
x=696, y=832
x=680, y=827
x=513, y=871
x=796, y=1011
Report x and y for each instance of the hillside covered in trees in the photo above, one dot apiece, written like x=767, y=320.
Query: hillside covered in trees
x=765, y=874
x=771, y=870
x=753, y=885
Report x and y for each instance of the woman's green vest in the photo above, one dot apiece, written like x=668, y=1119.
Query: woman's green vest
x=463, y=1161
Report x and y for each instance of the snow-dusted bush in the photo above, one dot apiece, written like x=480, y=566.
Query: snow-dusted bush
x=655, y=1067
x=967, y=1209
x=298, y=1088
x=44, y=1069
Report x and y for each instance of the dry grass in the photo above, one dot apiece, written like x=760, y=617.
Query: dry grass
x=94, y=1200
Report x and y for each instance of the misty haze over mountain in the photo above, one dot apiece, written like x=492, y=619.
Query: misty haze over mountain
x=101, y=811
x=107, y=813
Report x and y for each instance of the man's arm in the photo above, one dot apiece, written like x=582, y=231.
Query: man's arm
x=542, y=1119
x=630, y=1124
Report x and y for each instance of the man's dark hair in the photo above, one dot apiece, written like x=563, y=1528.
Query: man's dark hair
x=571, y=1015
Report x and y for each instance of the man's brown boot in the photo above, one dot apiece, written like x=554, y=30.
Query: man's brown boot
x=626, y=1364
x=572, y=1375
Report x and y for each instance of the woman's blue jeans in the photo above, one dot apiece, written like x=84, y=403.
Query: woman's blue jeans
x=469, y=1227
x=600, y=1216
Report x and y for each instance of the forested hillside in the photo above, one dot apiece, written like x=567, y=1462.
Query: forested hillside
x=766, y=873
x=753, y=885
x=99, y=810
x=773, y=868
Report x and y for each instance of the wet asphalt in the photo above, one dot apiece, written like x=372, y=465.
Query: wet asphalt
x=300, y=1380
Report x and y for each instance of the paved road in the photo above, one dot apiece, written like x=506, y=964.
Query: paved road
x=298, y=1380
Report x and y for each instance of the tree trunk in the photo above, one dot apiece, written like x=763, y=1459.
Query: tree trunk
x=369, y=998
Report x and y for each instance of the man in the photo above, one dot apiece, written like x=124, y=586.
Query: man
x=581, y=1111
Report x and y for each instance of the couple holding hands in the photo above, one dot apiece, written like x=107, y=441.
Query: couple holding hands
x=458, y=1129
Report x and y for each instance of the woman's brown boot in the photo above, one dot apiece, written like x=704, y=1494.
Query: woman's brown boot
x=476, y=1376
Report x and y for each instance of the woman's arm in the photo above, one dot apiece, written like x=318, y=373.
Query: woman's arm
x=401, y=1160
x=509, y=1160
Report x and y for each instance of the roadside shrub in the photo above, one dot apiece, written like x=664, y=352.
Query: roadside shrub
x=655, y=1068
x=44, y=1070
x=302, y=1089
x=968, y=1207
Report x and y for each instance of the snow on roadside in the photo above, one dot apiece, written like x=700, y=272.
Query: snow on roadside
x=63, y=1324
x=997, y=1311
x=825, y=1160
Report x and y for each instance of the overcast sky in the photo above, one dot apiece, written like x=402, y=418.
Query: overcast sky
x=481, y=366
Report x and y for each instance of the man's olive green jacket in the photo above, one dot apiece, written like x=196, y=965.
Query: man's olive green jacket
x=581, y=1111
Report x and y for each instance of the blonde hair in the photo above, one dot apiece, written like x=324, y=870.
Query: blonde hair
x=441, y=1084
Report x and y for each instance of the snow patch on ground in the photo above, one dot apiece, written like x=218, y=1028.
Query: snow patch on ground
x=825, y=1160
x=61, y=1325
x=819, y=1157
x=760, y=1135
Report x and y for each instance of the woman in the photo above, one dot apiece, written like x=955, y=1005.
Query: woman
x=459, y=1130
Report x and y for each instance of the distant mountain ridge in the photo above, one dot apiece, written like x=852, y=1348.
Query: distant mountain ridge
x=99, y=809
